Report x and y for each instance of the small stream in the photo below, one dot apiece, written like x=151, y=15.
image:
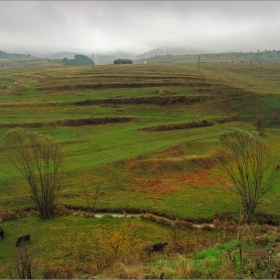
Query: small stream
x=116, y=215
x=120, y=215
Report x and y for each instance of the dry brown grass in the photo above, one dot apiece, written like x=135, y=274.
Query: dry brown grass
x=174, y=151
x=62, y=271
x=13, y=215
x=152, y=186
x=198, y=178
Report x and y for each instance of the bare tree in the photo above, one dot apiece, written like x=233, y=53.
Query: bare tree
x=250, y=165
x=92, y=197
x=39, y=159
x=24, y=263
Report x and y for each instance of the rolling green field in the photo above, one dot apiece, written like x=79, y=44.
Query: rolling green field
x=171, y=172
x=138, y=169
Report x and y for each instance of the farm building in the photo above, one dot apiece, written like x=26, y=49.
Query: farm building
x=123, y=61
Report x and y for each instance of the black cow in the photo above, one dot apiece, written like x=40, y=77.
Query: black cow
x=23, y=239
x=159, y=247
x=2, y=233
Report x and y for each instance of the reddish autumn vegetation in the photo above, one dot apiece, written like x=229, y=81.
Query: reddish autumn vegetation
x=198, y=178
x=153, y=186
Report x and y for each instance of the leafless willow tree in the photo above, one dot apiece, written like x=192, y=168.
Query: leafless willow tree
x=251, y=166
x=24, y=263
x=39, y=159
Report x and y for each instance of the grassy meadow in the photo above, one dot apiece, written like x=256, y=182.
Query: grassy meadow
x=171, y=172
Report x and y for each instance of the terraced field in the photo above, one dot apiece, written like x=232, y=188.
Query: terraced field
x=133, y=129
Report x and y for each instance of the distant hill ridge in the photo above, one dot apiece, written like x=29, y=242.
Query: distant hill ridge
x=266, y=56
x=162, y=55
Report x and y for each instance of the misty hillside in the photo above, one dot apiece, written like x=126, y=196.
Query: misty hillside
x=101, y=58
x=62, y=55
x=167, y=51
x=155, y=56
x=266, y=56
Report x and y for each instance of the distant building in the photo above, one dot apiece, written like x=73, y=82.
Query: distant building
x=123, y=61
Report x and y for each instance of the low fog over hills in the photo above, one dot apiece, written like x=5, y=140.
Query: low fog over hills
x=158, y=55
x=110, y=57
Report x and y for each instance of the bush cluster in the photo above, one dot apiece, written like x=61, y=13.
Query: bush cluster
x=225, y=216
x=230, y=226
x=58, y=272
x=159, y=220
x=13, y=215
x=168, y=222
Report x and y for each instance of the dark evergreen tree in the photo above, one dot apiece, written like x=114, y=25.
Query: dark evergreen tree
x=78, y=60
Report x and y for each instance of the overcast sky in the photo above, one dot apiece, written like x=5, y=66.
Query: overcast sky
x=138, y=26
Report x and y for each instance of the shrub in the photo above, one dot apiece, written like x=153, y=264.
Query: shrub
x=58, y=272
x=230, y=226
x=60, y=210
x=225, y=216
x=184, y=225
x=157, y=219
x=8, y=215
x=267, y=218
x=218, y=225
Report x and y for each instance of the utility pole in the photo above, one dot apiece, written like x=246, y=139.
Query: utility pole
x=167, y=51
x=198, y=63
x=92, y=60
x=260, y=71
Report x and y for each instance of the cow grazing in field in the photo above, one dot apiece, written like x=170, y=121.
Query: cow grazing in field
x=2, y=233
x=23, y=239
x=159, y=247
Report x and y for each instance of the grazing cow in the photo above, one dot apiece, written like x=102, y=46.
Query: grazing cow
x=159, y=247
x=23, y=239
x=197, y=117
x=278, y=167
x=2, y=233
